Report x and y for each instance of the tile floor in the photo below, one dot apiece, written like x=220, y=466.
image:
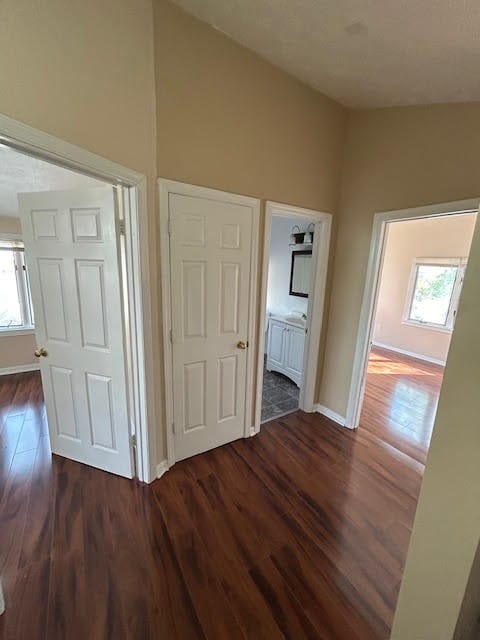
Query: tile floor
x=279, y=396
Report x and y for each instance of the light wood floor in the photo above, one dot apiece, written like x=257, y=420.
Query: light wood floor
x=401, y=400
x=300, y=532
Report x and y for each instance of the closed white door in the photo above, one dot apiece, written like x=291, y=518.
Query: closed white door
x=73, y=262
x=294, y=348
x=210, y=251
x=276, y=343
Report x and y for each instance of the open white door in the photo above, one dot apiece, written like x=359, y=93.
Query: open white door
x=72, y=256
x=210, y=267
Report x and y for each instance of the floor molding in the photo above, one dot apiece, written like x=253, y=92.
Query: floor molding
x=162, y=467
x=19, y=368
x=410, y=354
x=336, y=417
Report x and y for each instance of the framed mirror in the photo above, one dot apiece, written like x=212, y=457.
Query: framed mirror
x=300, y=273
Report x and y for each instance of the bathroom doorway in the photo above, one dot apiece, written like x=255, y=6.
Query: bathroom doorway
x=295, y=260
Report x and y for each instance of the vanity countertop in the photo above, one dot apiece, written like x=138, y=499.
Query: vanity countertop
x=297, y=321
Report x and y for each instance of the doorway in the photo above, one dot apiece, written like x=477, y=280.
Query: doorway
x=295, y=262
x=95, y=210
x=420, y=264
x=209, y=275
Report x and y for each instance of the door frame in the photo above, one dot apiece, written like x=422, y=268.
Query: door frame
x=316, y=300
x=44, y=146
x=372, y=283
x=165, y=188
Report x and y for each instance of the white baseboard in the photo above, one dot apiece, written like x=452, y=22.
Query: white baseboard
x=411, y=354
x=162, y=467
x=19, y=368
x=336, y=417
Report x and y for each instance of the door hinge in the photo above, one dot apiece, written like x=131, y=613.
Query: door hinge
x=133, y=441
x=121, y=227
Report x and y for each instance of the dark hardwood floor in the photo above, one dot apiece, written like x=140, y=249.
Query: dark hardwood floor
x=299, y=532
x=401, y=400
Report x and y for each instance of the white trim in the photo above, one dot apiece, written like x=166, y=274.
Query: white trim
x=316, y=300
x=47, y=147
x=410, y=354
x=427, y=325
x=328, y=413
x=369, y=303
x=162, y=467
x=19, y=331
x=11, y=236
x=19, y=368
x=166, y=187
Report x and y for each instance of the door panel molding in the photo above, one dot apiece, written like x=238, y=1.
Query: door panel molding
x=228, y=239
x=84, y=385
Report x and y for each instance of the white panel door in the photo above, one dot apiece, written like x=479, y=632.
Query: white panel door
x=294, y=348
x=210, y=250
x=72, y=255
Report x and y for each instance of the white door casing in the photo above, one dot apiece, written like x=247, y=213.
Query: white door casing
x=72, y=254
x=210, y=270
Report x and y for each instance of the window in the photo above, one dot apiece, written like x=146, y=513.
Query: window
x=434, y=292
x=15, y=304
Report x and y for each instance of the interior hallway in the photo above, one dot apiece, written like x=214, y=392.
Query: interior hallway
x=401, y=398
x=299, y=532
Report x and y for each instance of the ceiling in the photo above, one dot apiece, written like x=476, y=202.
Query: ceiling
x=363, y=53
x=20, y=173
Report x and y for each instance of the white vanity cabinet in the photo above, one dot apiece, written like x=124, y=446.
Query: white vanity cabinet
x=285, y=347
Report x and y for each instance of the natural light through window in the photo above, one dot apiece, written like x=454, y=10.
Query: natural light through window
x=434, y=292
x=15, y=305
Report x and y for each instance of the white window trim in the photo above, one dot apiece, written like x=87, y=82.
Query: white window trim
x=453, y=306
x=27, y=326
x=6, y=332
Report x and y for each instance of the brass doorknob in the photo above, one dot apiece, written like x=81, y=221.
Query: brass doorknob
x=242, y=345
x=41, y=352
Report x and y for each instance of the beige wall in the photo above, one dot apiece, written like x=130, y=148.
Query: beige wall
x=226, y=118
x=83, y=71
x=447, y=524
x=229, y=120
x=468, y=625
x=447, y=237
x=9, y=224
x=15, y=350
x=394, y=159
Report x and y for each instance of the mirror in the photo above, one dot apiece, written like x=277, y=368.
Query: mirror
x=300, y=273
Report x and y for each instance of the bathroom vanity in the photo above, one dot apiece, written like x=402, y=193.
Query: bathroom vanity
x=286, y=345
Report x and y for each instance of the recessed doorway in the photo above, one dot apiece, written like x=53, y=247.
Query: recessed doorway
x=295, y=260
x=71, y=300
x=419, y=276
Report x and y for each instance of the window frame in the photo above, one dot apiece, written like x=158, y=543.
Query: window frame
x=23, y=286
x=461, y=264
